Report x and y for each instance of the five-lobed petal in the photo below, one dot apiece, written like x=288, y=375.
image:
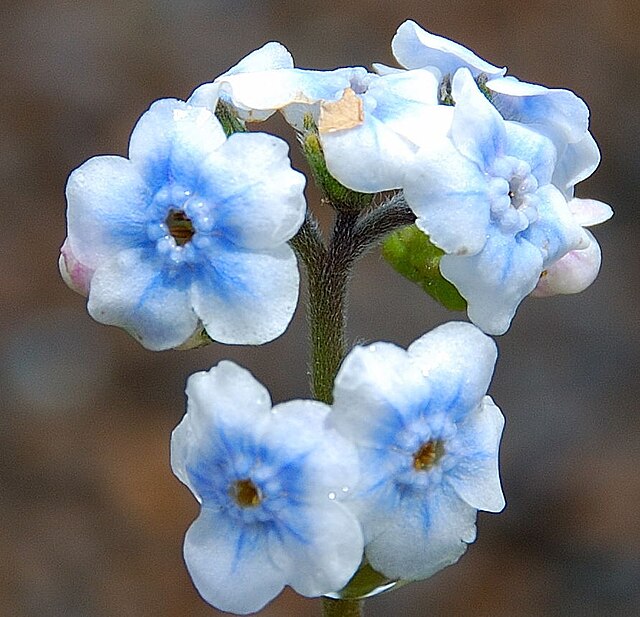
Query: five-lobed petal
x=271, y=483
x=484, y=195
x=190, y=231
x=428, y=437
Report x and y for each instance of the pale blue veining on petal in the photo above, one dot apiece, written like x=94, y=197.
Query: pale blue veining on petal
x=198, y=210
x=401, y=498
x=289, y=525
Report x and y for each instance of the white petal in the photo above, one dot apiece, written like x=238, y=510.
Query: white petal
x=416, y=48
x=134, y=293
x=376, y=383
x=329, y=554
x=526, y=144
x=230, y=564
x=401, y=99
x=476, y=476
x=555, y=232
x=368, y=158
x=513, y=87
x=257, y=297
x=275, y=89
x=383, y=69
x=171, y=140
x=332, y=460
x=534, y=104
x=206, y=95
x=495, y=281
x=477, y=130
x=450, y=196
x=107, y=200
x=458, y=360
x=576, y=163
x=259, y=198
x=589, y=212
x=228, y=394
x=272, y=55
x=424, y=535
x=269, y=57
x=223, y=388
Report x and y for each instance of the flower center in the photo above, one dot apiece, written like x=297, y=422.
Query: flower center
x=246, y=494
x=513, y=198
x=180, y=226
x=428, y=455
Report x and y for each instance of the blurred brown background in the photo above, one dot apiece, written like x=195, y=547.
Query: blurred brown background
x=91, y=518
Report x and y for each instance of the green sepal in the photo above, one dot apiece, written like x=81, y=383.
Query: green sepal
x=229, y=119
x=482, y=80
x=366, y=582
x=338, y=195
x=411, y=253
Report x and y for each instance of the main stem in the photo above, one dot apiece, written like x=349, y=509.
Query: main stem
x=327, y=323
x=327, y=309
x=329, y=269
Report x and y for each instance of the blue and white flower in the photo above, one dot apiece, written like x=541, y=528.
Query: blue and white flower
x=270, y=482
x=559, y=114
x=428, y=442
x=484, y=195
x=369, y=124
x=266, y=81
x=189, y=232
x=389, y=117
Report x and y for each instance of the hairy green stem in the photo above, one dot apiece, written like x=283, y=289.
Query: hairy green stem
x=327, y=308
x=374, y=225
x=328, y=271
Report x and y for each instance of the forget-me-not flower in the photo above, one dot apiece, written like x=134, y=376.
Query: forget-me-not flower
x=270, y=482
x=484, y=196
x=189, y=232
x=369, y=124
x=557, y=113
x=266, y=81
x=428, y=442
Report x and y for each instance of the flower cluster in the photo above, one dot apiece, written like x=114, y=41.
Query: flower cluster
x=487, y=163
x=196, y=236
x=404, y=458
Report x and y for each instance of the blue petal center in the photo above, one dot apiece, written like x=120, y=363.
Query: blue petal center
x=181, y=225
